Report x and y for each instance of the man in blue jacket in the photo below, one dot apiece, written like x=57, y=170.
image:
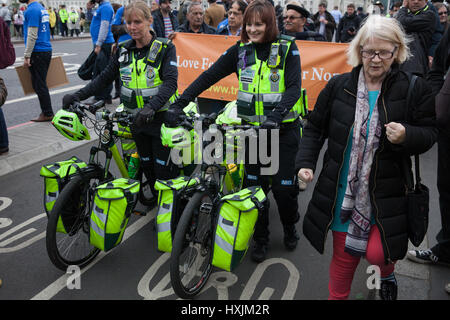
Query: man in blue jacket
x=102, y=39
x=38, y=54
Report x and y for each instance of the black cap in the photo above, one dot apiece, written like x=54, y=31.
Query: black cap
x=301, y=10
x=378, y=3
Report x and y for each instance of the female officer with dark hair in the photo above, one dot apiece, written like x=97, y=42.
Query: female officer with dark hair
x=268, y=68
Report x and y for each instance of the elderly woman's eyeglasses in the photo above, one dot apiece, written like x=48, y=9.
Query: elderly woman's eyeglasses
x=382, y=54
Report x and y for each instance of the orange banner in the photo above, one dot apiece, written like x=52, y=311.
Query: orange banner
x=197, y=52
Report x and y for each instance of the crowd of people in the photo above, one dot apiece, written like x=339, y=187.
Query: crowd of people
x=362, y=115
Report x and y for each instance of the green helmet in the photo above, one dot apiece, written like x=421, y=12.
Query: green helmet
x=179, y=137
x=70, y=126
x=228, y=115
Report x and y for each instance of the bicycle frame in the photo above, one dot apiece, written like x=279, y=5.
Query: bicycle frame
x=109, y=147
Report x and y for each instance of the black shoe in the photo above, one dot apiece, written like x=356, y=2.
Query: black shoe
x=4, y=150
x=291, y=237
x=259, y=252
x=43, y=118
x=426, y=257
x=116, y=95
x=388, y=290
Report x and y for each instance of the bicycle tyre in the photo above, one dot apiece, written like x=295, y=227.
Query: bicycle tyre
x=181, y=246
x=71, y=194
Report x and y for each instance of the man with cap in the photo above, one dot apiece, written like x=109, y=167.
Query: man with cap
x=294, y=23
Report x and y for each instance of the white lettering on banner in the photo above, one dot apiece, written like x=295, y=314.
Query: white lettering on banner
x=194, y=64
x=187, y=64
x=206, y=63
x=319, y=75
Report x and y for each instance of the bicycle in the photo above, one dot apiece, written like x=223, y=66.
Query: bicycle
x=73, y=247
x=191, y=258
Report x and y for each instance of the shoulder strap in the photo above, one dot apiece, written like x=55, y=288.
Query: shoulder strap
x=412, y=83
x=409, y=179
x=157, y=50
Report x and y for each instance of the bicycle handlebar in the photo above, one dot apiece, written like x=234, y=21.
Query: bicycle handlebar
x=122, y=116
x=208, y=120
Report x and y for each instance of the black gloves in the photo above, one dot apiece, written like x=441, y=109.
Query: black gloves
x=273, y=121
x=68, y=99
x=144, y=116
x=173, y=116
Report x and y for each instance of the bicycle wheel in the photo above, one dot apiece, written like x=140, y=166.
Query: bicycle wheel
x=73, y=247
x=190, y=263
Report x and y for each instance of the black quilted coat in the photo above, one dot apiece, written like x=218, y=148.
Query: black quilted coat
x=332, y=119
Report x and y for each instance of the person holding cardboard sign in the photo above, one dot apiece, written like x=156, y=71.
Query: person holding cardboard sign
x=38, y=54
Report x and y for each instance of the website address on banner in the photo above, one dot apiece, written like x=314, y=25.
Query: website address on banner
x=223, y=90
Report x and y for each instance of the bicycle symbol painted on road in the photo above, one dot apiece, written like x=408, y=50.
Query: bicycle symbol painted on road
x=221, y=281
x=9, y=237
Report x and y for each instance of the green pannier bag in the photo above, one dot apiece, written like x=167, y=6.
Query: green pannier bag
x=170, y=208
x=113, y=204
x=238, y=213
x=56, y=176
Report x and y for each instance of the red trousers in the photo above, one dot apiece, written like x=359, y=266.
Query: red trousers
x=343, y=265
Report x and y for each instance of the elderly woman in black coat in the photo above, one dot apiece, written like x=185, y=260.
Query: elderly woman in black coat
x=360, y=192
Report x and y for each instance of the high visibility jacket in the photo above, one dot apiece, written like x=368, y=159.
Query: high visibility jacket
x=73, y=17
x=63, y=15
x=51, y=18
x=140, y=78
x=261, y=83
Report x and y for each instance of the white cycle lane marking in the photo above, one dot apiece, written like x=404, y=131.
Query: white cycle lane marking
x=61, y=283
x=221, y=281
x=6, y=222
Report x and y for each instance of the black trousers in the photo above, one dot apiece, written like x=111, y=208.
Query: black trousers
x=154, y=156
x=64, y=29
x=283, y=182
x=101, y=62
x=442, y=249
x=40, y=62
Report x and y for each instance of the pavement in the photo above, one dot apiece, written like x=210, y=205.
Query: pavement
x=32, y=142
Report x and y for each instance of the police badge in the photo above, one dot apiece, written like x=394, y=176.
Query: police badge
x=274, y=77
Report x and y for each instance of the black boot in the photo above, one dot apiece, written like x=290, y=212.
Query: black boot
x=388, y=289
x=259, y=251
x=291, y=237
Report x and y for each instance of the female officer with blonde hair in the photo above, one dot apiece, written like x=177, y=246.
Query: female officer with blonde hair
x=360, y=192
x=148, y=71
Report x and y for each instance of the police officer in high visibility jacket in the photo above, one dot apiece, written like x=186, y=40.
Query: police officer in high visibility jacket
x=63, y=16
x=269, y=72
x=148, y=72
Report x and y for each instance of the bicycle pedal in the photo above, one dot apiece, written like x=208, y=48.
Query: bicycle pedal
x=206, y=208
x=139, y=213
